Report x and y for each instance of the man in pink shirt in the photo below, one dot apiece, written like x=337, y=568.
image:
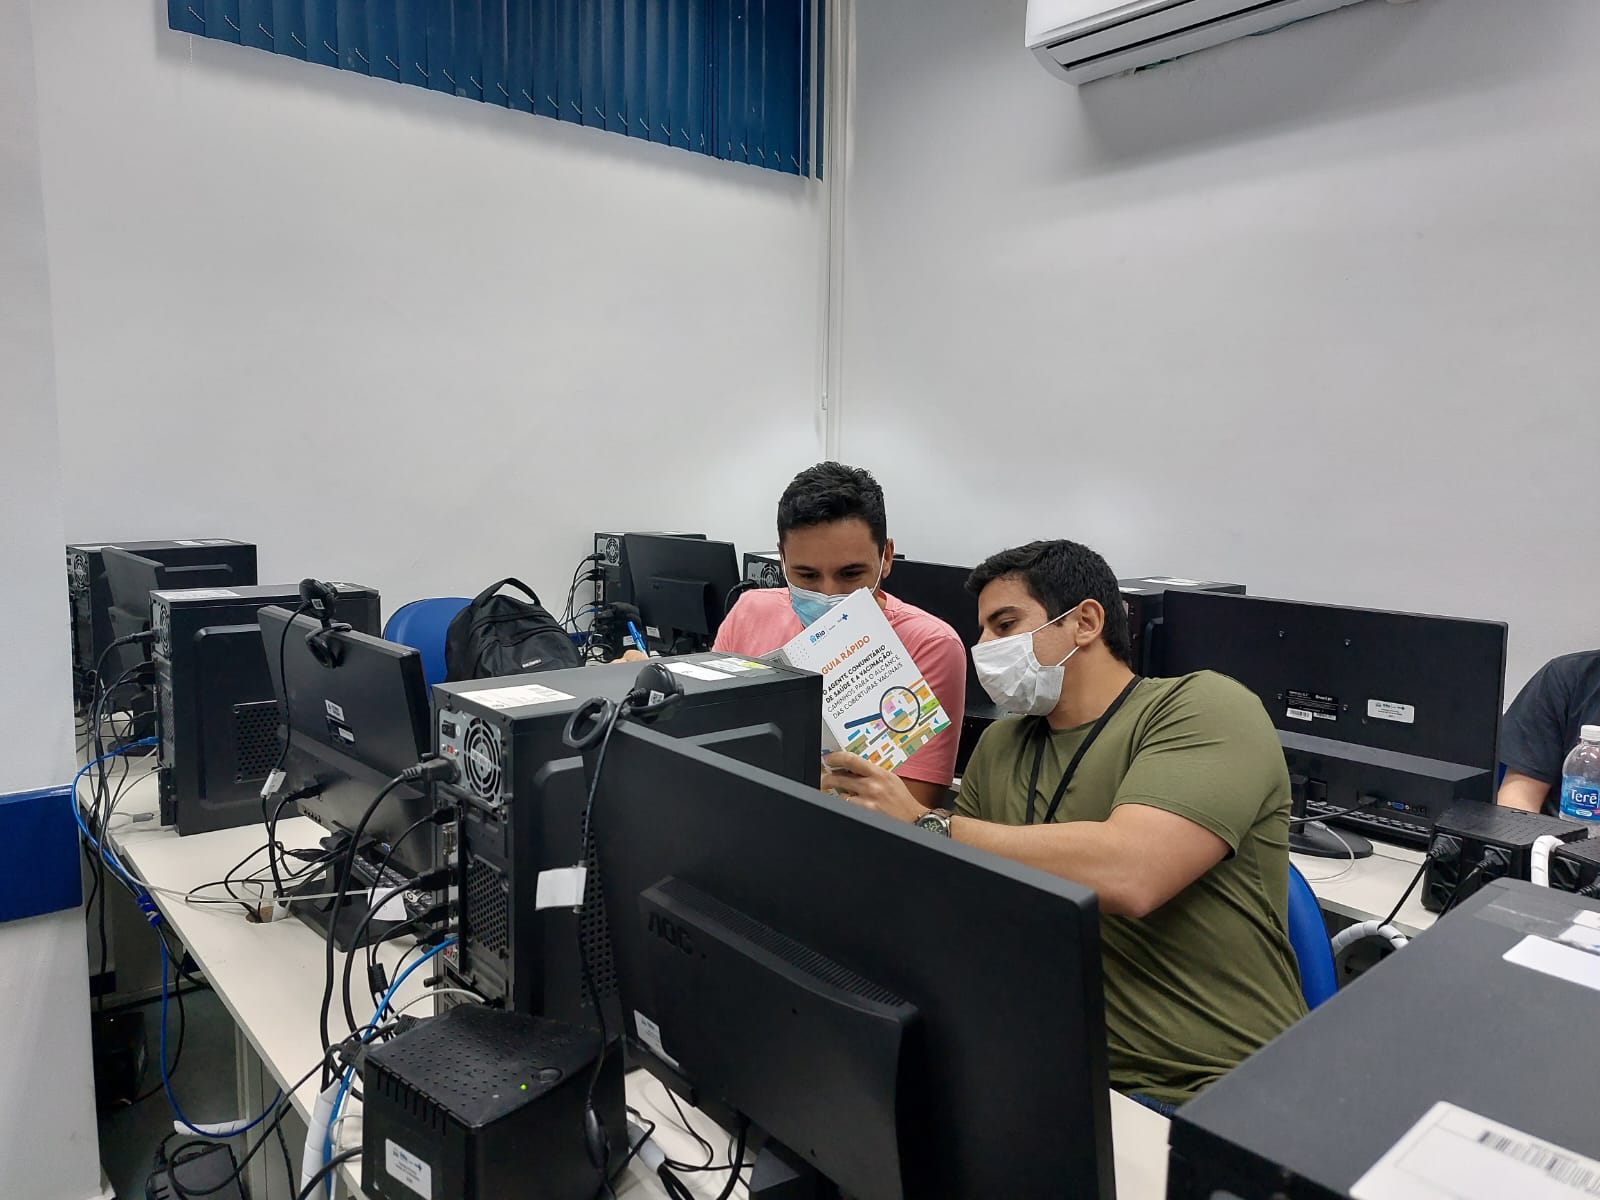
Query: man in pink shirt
x=833, y=540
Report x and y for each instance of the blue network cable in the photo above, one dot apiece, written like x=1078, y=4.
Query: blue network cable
x=166, y=1080
x=153, y=915
x=349, y=1075
x=104, y=852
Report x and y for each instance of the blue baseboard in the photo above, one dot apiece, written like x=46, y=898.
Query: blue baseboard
x=38, y=854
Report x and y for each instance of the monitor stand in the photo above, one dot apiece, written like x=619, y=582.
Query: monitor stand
x=318, y=912
x=1313, y=838
x=780, y=1174
x=1318, y=841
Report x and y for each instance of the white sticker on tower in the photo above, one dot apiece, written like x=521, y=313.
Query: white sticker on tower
x=694, y=671
x=198, y=594
x=405, y=1167
x=516, y=697
x=1388, y=710
x=1454, y=1154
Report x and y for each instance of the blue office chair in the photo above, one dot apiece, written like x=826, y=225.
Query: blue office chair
x=422, y=624
x=1309, y=937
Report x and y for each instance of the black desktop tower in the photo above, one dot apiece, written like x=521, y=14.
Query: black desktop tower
x=218, y=717
x=520, y=801
x=478, y=1104
x=1446, y=1020
x=764, y=569
x=1143, y=598
x=89, y=595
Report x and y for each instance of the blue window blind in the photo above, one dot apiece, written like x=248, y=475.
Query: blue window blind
x=735, y=79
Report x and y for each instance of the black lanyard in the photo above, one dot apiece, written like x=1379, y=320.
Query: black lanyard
x=1042, y=735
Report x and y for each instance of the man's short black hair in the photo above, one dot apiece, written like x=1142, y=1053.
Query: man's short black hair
x=1061, y=575
x=830, y=492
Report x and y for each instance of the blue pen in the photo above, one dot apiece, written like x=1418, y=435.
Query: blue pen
x=633, y=632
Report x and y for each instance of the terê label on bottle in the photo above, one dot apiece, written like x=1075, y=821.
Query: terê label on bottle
x=1311, y=706
x=1580, y=800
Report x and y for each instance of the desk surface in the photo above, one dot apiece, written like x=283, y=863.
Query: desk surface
x=269, y=977
x=1370, y=888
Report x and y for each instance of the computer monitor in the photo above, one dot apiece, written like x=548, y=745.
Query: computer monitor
x=355, y=726
x=1397, y=713
x=799, y=961
x=681, y=586
x=941, y=590
x=521, y=793
x=219, y=726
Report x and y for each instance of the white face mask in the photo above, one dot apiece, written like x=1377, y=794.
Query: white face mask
x=1015, y=678
x=811, y=606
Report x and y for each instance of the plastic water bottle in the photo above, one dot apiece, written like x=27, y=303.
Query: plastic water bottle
x=1580, y=778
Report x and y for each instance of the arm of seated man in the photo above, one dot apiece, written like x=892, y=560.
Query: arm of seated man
x=1199, y=778
x=927, y=795
x=1522, y=791
x=1532, y=739
x=1135, y=861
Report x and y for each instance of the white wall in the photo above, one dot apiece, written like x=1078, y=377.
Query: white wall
x=34, y=638
x=399, y=337
x=48, y=1146
x=1314, y=311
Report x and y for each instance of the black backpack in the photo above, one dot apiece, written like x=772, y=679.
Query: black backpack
x=501, y=635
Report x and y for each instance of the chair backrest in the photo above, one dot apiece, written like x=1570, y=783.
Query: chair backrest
x=1309, y=937
x=422, y=624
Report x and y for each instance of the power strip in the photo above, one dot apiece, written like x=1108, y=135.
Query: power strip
x=1476, y=843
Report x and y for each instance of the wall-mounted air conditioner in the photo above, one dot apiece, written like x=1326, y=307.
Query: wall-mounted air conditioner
x=1082, y=40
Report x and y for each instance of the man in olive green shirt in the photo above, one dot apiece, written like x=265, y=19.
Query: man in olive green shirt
x=1176, y=814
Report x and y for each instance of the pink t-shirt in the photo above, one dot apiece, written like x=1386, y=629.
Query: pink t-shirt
x=762, y=621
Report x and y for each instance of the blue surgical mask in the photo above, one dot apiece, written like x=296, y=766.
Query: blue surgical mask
x=812, y=606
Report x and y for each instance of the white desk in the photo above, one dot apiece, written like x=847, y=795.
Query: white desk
x=1371, y=887
x=269, y=977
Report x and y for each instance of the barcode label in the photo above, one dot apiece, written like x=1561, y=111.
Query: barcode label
x=1455, y=1154
x=1582, y=1178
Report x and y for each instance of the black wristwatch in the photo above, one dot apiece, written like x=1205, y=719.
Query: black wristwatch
x=935, y=820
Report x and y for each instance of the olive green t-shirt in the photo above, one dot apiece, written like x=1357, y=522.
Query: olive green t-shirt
x=1203, y=982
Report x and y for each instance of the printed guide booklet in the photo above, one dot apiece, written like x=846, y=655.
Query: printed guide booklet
x=875, y=702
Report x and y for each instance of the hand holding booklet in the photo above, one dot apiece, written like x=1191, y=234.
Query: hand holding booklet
x=875, y=702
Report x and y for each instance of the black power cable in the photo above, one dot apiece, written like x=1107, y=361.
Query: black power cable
x=275, y=776
x=326, y=1169
x=427, y=771
x=438, y=816
x=430, y=882
x=655, y=691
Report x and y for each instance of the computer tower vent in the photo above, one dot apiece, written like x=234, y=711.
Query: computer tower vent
x=481, y=760
x=78, y=574
x=611, y=551
x=168, y=728
x=596, y=934
x=488, y=907
x=256, y=744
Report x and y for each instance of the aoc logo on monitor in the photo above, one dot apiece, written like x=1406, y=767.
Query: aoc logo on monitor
x=671, y=932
